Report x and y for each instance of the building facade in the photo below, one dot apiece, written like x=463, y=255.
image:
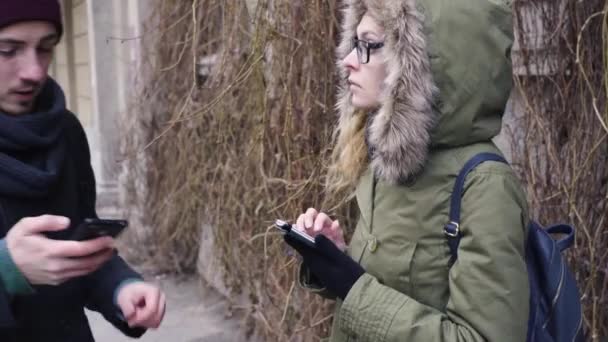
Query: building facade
x=96, y=63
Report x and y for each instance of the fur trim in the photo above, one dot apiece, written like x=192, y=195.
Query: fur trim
x=400, y=131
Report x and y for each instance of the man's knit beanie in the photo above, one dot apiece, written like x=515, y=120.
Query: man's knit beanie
x=14, y=11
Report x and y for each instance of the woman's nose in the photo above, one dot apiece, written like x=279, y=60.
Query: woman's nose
x=351, y=62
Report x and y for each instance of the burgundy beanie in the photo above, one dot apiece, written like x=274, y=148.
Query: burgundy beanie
x=14, y=11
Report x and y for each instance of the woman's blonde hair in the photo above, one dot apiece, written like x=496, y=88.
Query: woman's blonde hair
x=349, y=157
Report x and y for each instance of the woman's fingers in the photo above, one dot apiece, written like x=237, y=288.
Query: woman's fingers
x=300, y=223
x=322, y=221
x=335, y=225
x=310, y=217
x=315, y=223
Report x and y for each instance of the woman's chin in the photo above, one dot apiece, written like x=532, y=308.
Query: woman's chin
x=360, y=103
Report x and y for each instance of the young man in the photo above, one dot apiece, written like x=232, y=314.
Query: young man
x=47, y=188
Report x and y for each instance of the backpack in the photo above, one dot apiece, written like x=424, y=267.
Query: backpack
x=555, y=307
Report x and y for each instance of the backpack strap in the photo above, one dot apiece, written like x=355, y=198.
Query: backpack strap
x=565, y=230
x=452, y=228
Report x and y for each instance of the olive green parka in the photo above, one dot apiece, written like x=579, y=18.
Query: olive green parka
x=449, y=77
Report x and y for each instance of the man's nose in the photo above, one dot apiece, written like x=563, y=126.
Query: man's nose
x=32, y=68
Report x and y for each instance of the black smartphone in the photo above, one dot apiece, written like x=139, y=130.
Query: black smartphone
x=92, y=228
x=290, y=230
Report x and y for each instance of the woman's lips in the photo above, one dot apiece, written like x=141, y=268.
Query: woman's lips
x=353, y=84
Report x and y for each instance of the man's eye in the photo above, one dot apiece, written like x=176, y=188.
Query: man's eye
x=45, y=50
x=8, y=53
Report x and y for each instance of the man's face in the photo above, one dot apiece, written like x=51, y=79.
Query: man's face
x=26, y=50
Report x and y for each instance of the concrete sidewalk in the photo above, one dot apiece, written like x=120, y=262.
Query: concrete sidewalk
x=194, y=314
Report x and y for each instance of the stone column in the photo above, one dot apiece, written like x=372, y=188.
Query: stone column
x=113, y=25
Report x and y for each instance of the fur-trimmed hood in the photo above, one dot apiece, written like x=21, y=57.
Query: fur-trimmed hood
x=449, y=77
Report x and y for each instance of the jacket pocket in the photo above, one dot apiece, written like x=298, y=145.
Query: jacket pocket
x=430, y=270
x=390, y=260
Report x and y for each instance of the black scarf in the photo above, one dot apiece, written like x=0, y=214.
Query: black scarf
x=32, y=150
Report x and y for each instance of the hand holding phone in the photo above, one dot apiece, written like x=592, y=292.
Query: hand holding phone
x=92, y=228
x=315, y=222
x=46, y=261
x=293, y=232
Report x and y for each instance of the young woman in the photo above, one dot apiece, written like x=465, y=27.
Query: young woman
x=423, y=88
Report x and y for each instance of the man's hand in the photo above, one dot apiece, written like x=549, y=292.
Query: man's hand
x=142, y=304
x=314, y=223
x=52, y=262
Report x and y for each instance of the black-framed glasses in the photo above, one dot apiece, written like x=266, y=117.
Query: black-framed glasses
x=364, y=49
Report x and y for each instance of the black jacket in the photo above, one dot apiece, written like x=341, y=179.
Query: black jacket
x=56, y=313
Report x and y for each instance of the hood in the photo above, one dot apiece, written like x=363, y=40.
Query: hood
x=449, y=78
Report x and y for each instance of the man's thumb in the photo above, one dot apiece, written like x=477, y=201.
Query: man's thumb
x=44, y=223
x=128, y=310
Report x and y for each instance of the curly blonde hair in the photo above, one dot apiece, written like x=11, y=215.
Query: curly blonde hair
x=349, y=157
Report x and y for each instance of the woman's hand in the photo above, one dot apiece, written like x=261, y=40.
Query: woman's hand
x=331, y=266
x=314, y=223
